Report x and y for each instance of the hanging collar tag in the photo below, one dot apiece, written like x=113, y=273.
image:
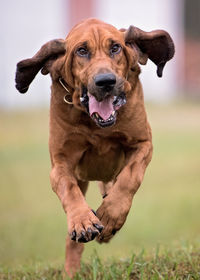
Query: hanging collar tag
x=68, y=95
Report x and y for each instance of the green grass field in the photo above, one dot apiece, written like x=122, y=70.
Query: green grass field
x=165, y=213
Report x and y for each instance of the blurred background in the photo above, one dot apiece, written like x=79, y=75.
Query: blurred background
x=167, y=206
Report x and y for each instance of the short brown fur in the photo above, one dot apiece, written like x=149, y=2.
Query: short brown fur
x=81, y=151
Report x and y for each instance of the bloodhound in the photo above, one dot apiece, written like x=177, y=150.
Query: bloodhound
x=98, y=124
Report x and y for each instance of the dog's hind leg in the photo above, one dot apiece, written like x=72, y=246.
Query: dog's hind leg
x=105, y=187
x=74, y=249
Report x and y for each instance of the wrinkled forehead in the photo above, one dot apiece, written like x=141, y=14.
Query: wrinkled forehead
x=94, y=33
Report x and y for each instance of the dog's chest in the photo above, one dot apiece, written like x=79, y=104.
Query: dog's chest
x=101, y=163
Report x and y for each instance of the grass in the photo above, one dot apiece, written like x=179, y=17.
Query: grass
x=177, y=264
x=165, y=210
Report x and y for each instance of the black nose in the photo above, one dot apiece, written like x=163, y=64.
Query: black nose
x=105, y=81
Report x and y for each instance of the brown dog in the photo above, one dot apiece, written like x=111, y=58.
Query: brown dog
x=98, y=124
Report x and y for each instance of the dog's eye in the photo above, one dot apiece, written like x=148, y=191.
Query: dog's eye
x=82, y=51
x=115, y=49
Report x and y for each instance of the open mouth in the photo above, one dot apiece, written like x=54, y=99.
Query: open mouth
x=104, y=113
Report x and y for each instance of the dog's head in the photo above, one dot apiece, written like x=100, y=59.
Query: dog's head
x=97, y=64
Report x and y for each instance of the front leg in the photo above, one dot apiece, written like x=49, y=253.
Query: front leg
x=116, y=205
x=83, y=225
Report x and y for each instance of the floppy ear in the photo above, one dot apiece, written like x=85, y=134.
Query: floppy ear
x=27, y=69
x=156, y=45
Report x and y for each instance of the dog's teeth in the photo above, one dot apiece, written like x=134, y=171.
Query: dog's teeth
x=82, y=99
x=113, y=113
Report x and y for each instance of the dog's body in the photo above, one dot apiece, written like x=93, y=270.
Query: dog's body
x=101, y=131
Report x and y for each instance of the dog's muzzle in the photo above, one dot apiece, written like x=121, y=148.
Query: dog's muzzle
x=102, y=105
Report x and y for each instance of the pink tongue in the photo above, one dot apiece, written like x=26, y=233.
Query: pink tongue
x=104, y=108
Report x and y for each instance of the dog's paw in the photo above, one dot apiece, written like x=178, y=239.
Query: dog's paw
x=112, y=214
x=83, y=225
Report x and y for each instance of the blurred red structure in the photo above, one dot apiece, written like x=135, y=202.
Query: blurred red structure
x=80, y=10
x=192, y=46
